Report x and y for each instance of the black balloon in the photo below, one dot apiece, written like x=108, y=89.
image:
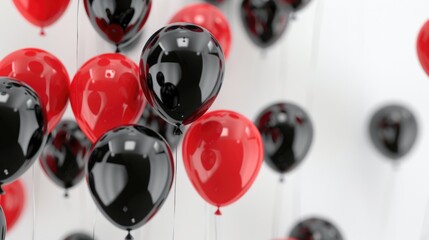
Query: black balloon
x=63, y=158
x=78, y=236
x=265, y=21
x=22, y=127
x=129, y=173
x=118, y=21
x=181, y=72
x=297, y=4
x=153, y=121
x=287, y=133
x=215, y=1
x=2, y=224
x=393, y=130
x=315, y=228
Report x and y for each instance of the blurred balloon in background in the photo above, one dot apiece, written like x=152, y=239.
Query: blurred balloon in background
x=78, y=236
x=393, y=130
x=423, y=47
x=13, y=203
x=222, y=153
x=215, y=1
x=315, y=228
x=265, y=21
x=210, y=18
x=130, y=173
x=22, y=127
x=45, y=74
x=296, y=4
x=63, y=158
x=105, y=94
x=118, y=21
x=2, y=224
x=181, y=72
x=152, y=120
x=41, y=13
x=287, y=133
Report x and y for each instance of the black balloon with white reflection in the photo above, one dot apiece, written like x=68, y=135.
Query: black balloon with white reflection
x=118, y=21
x=63, y=158
x=181, y=72
x=22, y=127
x=287, y=134
x=78, y=236
x=265, y=21
x=393, y=130
x=315, y=228
x=2, y=224
x=129, y=173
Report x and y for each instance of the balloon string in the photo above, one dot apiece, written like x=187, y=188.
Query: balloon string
x=277, y=210
x=388, y=203
x=77, y=36
x=175, y=194
x=217, y=227
x=95, y=222
x=425, y=225
x=34, y=202
x=207, y=219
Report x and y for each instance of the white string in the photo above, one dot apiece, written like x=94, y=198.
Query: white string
x=277, y=209
x=34, y=202
x=388, y=203
x=425, y=226
x=175, y=195
x=95, y=222
x=77, y=36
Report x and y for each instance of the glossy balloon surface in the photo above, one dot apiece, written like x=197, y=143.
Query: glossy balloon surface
x=2, y=225
x=181, y=72
x=222, y=154
x=41, y=13
x=265, y=21
x=315, y=228
x=287, y=133
x=45, y=74
x=296, y=4
x=130, y=172
x=105, y=94
x=393, y=130
x=22, y=128
x=210, y=18
x=152, y=120
x=78, y=236
x=63, y=158
x=118, y=21
x=423, y=47
x=13, y=202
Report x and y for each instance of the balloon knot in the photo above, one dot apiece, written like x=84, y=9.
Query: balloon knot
x=129, y=237
x=177, y=131
x=218, y=213
x=66, y=194
x=42, y=32
x=117, y=49
x=282, y=179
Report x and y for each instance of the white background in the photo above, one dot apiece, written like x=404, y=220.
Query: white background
x=340, y=60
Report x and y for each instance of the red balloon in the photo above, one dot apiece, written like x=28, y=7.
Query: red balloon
x=44, y=73
x=222, y=153
x=13, y=202
x=210, y=18
x=41, y=13
x=105, y=94
x=423, y=47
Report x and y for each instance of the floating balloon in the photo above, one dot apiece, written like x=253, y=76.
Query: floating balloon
x=315, y=228
x=78, y=236
x=2, y=225
x=152, y=120
x=130, y=172
x=22, y=128
x=215, y=1
x=297, y=4
x=181, y=72
x=105, y=94
x=287, y=133
x=41, y=13
x=45, y=74
x=63, y=158
x=210, y=18
x=222, y=153
x=13, y=202
x=393, y=130
x=118, y=21
x=265, y=21
x=423, y=47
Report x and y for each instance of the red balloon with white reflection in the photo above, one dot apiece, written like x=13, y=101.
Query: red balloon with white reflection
x=210, y=18
x=13, y=202
x=222, y=153
x=105, y=94
x=423, y=47
x=45, y=74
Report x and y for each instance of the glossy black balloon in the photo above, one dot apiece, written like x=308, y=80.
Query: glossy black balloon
x=393, y=130
x=297, y=4
x=22, y=127
x=287, y=133
x=153, y=121
x=315, y=228
x=63, y=158
x=129, y=173
x=2, y=224
x=265, y=21
x=181, y=72
x=78, y=236
x=118, y=21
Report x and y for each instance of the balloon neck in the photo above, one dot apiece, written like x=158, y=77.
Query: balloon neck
x=66, y=194
x=42, y=32
x=218, y=212
x=129, y=237
x=117, y=49
x=282, y=179
x=293, y=16
x=177, y=131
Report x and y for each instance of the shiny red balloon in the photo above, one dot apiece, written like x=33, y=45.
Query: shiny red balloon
x=210, y=18
x=423, y=47
x=41, y=13
x=222, y=153
x=105, y=94
x=13, y=202
x=43, y=72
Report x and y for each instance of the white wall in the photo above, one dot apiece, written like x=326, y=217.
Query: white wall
x=340, y=60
